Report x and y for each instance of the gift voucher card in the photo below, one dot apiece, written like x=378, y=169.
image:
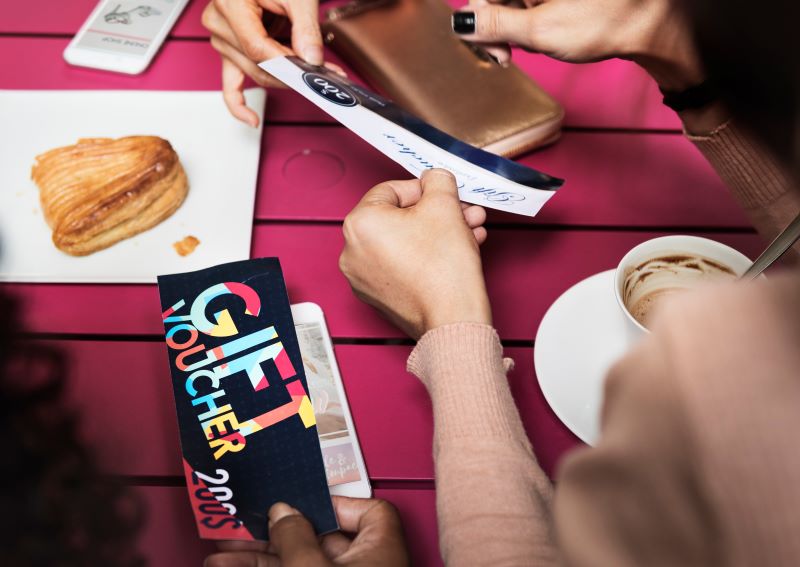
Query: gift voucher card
x=483, y=178
x=247, y=425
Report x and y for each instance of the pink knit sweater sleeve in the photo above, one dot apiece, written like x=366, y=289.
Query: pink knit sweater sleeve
x=493, y=499
x=760, y=185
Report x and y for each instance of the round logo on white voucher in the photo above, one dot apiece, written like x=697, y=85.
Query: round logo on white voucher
x=330, y=89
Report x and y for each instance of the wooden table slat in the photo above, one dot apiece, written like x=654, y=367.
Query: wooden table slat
x=169, y=537
x=612, y=94
x=123, y=393
x=612, y=179
x=526, y=270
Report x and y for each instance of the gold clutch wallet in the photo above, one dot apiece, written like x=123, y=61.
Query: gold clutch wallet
x=407, y=50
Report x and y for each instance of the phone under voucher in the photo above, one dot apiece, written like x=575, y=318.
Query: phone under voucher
x=341, y=452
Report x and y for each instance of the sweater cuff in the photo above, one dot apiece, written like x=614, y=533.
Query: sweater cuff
x=462, y=367
x=744, y=165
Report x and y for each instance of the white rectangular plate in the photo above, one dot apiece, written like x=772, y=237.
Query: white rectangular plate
x=220, y=156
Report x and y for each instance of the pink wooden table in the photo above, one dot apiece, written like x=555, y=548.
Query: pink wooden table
x=631, y=176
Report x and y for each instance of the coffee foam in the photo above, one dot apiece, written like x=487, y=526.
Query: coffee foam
x=649, y=282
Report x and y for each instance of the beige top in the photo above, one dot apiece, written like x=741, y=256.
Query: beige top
x=698, y=461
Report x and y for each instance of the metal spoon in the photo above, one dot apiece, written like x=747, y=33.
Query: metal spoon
x=775, y=250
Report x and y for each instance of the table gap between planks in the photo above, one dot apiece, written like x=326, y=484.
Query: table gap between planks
x=630, y=176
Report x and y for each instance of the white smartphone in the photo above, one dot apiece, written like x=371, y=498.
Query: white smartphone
x=123, y=36
x=344, y=463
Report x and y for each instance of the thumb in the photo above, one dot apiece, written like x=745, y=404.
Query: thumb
x=396, y=194
x=439, y=185
x=497, y=24
x=306, y=37
x=292, y=538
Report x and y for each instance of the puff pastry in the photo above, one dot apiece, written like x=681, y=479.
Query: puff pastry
x=100, y=190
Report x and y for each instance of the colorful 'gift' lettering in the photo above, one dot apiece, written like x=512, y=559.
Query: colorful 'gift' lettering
x=220, y=425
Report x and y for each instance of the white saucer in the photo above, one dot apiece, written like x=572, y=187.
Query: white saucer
x=581, y=336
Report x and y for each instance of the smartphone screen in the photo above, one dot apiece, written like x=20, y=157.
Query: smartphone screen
x=338, y=450
x=128, y=27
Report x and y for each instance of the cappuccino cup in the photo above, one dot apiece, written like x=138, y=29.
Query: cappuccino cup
x=661, y=267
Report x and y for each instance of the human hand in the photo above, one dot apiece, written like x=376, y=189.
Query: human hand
x=239, y=36
x=653, y=33
x=411, y=250
x=374, y=524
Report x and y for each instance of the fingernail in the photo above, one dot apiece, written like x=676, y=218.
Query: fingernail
x=313, y=55
x=279, y=511
x=463, y=22
x=444, y=172
x=335, y=68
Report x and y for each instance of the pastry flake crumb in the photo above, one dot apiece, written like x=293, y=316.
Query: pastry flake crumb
x=186, y=246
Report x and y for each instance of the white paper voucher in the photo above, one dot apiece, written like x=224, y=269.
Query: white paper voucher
x=483, y=178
